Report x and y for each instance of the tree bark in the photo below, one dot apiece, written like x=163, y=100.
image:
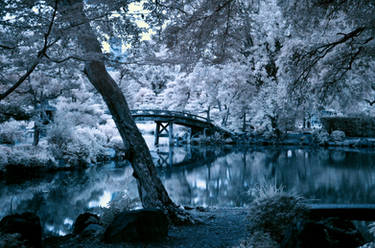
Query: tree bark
x=151, y=190
x=36, y=135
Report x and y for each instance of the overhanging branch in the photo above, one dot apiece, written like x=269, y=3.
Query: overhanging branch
x=40, y=55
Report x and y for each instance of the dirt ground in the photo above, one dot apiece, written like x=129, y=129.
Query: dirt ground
x=220, y=228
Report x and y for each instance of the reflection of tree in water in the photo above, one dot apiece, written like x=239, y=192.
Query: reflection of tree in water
x=332, y=176
x=224, y=179
x=214, y=176
x=60, y=199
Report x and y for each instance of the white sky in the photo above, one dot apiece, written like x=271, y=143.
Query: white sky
x=134, y=8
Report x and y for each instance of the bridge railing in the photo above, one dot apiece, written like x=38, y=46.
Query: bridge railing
x=168, y=113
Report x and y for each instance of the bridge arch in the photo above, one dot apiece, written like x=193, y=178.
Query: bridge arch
x=165, y=119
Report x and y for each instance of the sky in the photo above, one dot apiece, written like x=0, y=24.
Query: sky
x=134, y=8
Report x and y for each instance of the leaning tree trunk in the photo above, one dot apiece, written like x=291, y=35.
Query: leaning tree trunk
x=151, y=190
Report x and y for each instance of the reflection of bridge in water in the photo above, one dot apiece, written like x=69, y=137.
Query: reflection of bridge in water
x=165, y=120
x=192, y=157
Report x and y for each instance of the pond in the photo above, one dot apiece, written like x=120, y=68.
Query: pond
x=198, y=176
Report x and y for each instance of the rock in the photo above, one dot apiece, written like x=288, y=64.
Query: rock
x=331, y=232
x=83, y=221
x=337, y=136
x=260, y=131
x=26, y=224
x=139, y=225
x=92, y=230
x=12, y=240
x=229, y=141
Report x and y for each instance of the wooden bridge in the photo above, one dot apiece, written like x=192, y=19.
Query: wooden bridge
x=165, y=120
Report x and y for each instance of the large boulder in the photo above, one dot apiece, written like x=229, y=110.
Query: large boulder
x=338, y=136
x=26, y=224
x=86, y=223
x=13, y=240
x=138, y=225
x=331, y=232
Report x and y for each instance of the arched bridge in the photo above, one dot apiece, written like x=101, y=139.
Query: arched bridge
x=165, y=119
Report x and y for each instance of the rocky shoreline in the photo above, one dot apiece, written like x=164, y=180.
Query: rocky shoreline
x=276, y=221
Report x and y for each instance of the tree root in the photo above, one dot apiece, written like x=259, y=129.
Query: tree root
x=178, y=217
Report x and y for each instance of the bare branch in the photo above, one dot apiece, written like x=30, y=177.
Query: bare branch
x=7, y=47
x=21, y=80
x=370, y=102
x=320, y=52
x=158, y=3
x=59, y=61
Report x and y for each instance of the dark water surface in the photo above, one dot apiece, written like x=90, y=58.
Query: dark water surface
x=204, y=176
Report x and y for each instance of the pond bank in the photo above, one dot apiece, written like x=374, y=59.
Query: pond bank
x=271, y=222
x=312, y=139
x=224, y=227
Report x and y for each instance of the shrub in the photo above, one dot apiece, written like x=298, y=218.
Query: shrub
x=320, y=136
x=11, y=132
x=78, y=146
x=27, y=156
x=271, y=213
x=361, y=126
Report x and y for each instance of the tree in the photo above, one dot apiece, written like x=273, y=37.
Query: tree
x=83, y=24
x=228, y=52
x=330, y=52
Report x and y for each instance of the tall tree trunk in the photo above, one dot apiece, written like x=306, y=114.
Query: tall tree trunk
x=151, y=190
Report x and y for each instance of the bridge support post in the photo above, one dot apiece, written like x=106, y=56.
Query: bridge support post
x=157, y=132
x=160, y=128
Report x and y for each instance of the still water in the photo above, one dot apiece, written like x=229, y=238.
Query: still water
x=198, y=176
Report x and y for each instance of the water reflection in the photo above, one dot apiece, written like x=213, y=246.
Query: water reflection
x=205, y=176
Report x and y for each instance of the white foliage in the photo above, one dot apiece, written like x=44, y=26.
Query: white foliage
x=12, y=131
x=27, y=155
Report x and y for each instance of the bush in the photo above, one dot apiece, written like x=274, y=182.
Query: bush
x=338, y=136
x=271, y=214
x=78, y=146
x=320, y=137
x=11, y=132
x=361, y=126
x=27, y=156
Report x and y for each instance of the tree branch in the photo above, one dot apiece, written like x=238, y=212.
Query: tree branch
x=320, y=52
x=40, y=55
x=59, y=61
x=7, y=47
x=21, y=80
